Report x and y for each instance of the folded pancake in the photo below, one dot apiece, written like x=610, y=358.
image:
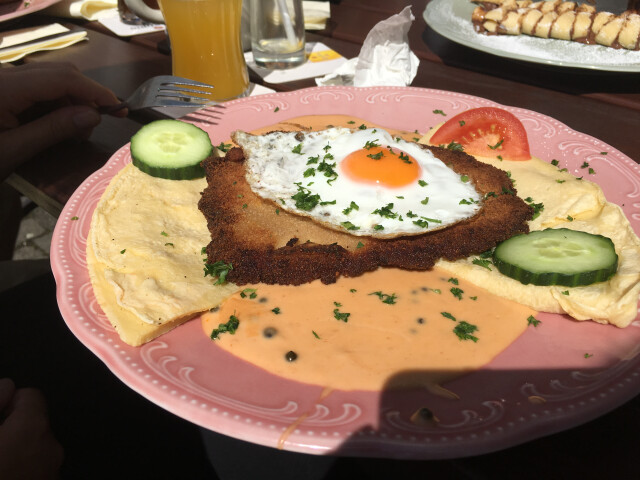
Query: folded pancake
x=144, y=255
x=578, y=204
x=266, y=244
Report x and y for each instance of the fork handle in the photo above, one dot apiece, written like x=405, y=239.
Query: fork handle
x=106, y=109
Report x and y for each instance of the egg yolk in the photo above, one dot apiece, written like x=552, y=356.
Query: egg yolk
x=385, y=166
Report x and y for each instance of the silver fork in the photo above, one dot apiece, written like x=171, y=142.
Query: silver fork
x=166, y=91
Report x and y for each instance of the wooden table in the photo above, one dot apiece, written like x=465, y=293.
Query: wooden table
x=605, y=105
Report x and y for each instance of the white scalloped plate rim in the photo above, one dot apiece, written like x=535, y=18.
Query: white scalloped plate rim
x=351, y=422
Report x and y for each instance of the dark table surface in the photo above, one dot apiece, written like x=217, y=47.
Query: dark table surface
x=603, y=104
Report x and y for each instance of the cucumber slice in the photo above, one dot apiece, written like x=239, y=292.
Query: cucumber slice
x=557, y=257
x=171, y=149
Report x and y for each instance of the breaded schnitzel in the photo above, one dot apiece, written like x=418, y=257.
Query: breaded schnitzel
x=268, y=245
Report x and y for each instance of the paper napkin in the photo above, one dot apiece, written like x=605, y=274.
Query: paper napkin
x=87, y=9
x=385, y=57
x=315, y=14
x=12, y=44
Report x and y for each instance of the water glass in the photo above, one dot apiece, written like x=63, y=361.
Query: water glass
x=277, y=33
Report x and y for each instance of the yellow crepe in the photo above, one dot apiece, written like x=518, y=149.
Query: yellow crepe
x=144, y=254
x=566, y=197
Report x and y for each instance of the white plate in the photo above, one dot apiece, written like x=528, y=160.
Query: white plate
x=452, y=19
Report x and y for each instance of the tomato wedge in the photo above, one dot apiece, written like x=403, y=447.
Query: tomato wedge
x=486, y=132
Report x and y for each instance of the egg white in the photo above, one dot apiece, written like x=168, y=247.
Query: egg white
x=289, y=167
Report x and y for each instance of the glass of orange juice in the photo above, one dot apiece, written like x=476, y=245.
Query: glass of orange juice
x=206, y=43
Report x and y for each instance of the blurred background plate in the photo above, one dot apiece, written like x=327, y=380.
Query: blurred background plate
x=19, y=8
x=452, y=20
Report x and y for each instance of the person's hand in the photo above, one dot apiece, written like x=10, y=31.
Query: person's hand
x=28, y=448
x=42, y=104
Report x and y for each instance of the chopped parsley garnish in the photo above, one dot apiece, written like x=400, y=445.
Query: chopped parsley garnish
x=560, y=181
x=276, y=310
x=342, y=316
x=304, y=199
x=481, y=262
x=410, y=214
x=164, y=234
x=533, y=321
x=555, y=162
x=297, y=149
x=230, y=327
x=455, y=146
x=244, y=205
x=315, y=334
x=74, y=218
x=224, y=147
x=424, y=201
x=312, y=160
x=378, y=227
x=464, y=201
x=327, y=168
x=440, y=112
x=123, y=250
x=385, y=297
x=537, y=207
x=362, y=127
x=369, y=145
x=376, y=156
x=591, y=171
x=457, y=292
x=449, y=316
x=309, y=172
x=497, y=145
x=218, y=269
x=169, y=244
x=474, y=298
x=386, y=211
x=570, y=218
x=464, y=330
x=351, y=122
x=349, y=226
x=421, y=223
x=360, y=245
x=464, y=178
x=566, y=292
x=588, y=355
x=249, y=292
x=585, y=165
x=422, y=183
x=405, y=158
x=462, y=123
x=453, y=280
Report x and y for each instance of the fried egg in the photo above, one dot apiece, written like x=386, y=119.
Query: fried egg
x=363, y=181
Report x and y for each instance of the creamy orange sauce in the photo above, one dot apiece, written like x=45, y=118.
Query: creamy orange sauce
x=344, y=336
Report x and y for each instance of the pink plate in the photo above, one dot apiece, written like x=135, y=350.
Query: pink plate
x=555, y=376
x=23, y=7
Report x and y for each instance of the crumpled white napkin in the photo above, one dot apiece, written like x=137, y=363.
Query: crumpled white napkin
x=13, y=42
x=88, y=9
x=385, y=57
